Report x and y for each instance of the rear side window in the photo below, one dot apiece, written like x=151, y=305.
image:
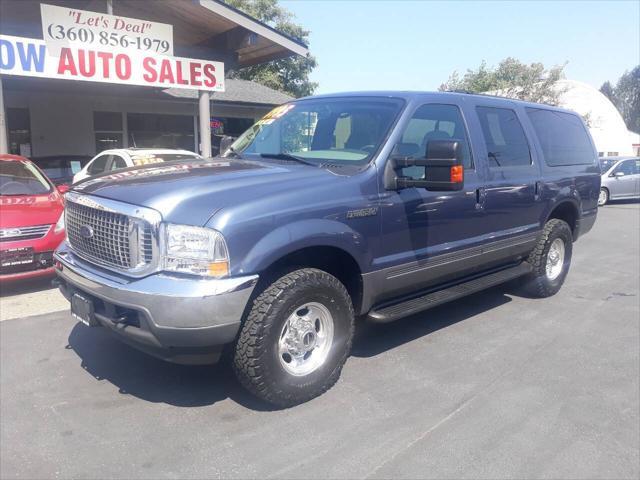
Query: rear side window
x=506, y=142
x=99, y=165
x=563, y=138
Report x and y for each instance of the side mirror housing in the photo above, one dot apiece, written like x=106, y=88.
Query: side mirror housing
x=618, y=174
x=442, y=164
x=63, y=188
x=225, y=142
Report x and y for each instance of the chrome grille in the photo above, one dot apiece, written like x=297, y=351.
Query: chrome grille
x=23, y=233
x=100, y=235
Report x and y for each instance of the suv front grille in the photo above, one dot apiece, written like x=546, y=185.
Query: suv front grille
x=108, y=238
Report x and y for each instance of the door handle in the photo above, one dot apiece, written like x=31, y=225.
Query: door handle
x=537, y=189
x=481, y=194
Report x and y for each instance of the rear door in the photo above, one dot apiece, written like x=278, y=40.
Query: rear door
x=511, y=202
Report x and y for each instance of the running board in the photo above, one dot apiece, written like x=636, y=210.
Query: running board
x=389, y=313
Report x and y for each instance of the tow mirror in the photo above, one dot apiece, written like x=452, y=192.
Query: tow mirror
x=443, y=169
x=225, y=143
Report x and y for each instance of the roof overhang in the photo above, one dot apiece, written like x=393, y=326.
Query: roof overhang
x=206, y=29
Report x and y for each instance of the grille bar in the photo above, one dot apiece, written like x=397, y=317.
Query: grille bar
x=24, y=233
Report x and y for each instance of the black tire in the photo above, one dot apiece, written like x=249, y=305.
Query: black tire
x=257, y=360
x=538, y=283
x=604, y=192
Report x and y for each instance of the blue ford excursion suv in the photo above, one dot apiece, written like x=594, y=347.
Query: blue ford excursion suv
x=370, y=205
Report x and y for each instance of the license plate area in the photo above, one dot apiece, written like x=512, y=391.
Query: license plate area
x=82, y=310
x=16, y=256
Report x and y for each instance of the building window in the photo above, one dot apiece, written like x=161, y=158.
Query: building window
x=108, y=130
x=151, y=130
x=19, y=131
x=613, y=154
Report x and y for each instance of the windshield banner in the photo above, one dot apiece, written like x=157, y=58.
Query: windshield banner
x=31, y=58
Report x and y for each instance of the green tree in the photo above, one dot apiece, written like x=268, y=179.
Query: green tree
x=626, y=97
x=289, y=75
x=511, y=78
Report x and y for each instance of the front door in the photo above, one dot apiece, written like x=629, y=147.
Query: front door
x=427, y=237
x=624, y=180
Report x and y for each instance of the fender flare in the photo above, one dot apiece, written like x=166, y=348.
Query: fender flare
x=295, y=236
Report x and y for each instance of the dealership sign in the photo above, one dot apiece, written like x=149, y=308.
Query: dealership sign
x=69, y=27
x=32, y=58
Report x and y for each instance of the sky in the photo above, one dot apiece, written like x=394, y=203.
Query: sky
x=416, y=45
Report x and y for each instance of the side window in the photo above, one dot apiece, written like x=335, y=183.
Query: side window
x=562, y=136
x=432, y=122
x=117, y=162
x=628, y=167
x=505, y=139
x=99, y=165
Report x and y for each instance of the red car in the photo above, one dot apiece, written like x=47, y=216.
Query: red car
x=31, y=219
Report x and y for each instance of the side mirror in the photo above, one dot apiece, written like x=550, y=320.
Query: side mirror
x=63, y=189
x=444, y=171
x=225, y=142
x=618, y=174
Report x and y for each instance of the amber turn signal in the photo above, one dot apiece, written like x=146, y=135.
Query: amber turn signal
x=457, y=174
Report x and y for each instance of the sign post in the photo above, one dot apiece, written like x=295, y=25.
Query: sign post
x=4, y=143
x=204, y=114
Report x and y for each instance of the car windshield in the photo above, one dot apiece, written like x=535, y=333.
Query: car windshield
x=147, y=158
x=607, y=163
x=331, y=130
x=22, y=178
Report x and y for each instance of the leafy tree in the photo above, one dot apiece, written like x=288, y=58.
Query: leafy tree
x=289, y=75
x=511, y=78
x=626, y=97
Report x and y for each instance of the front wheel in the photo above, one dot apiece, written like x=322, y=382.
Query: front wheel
x=296, y=338
x=550, y=259
x=603, y=198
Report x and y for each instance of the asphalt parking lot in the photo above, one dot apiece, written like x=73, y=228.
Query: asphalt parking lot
x=495, y=386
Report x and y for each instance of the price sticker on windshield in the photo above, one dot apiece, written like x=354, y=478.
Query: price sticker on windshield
x=276, y=113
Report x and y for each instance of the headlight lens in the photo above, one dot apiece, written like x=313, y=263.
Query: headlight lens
x=60, y=225
x=195, y=250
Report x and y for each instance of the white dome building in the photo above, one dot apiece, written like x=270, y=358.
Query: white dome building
x=607, y=127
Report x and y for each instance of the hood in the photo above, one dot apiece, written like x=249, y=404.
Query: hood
x=29, y=210
x=191, y=192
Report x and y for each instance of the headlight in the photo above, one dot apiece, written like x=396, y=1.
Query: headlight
x=195, y=250
x=60, y=225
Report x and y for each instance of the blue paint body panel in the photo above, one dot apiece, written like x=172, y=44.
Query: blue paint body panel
x=267, y=209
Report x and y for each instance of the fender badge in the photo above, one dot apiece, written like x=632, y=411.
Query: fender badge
x=363, y=212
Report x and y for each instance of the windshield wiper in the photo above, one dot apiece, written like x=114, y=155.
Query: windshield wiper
x=288, y=156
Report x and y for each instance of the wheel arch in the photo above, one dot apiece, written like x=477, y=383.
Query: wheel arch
x=567, y=210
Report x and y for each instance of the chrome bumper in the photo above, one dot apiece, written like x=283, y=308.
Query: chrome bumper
x=169, y=303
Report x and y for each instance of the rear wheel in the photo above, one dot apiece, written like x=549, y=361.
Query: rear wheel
x=603, y=198
x=296, y=338
x=550, y=259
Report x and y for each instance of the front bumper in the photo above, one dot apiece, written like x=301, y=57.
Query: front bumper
x=178, y=318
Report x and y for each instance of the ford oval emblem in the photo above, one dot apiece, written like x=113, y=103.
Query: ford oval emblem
x=86, y=232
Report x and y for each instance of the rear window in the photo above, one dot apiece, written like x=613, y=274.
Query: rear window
x=563, y=137
x=148, y=158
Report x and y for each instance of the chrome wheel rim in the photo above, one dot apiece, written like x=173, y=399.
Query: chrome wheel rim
x=305, y=339
x=602, y=198
x=555, y=259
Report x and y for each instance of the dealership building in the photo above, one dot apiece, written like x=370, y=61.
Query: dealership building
x=45, y=112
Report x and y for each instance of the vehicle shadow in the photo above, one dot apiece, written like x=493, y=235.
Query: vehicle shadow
x=372, y=339
x=105, y=357
x=134, y=373
x=19, y=287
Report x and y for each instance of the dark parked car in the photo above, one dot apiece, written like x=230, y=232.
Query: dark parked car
x=60, y=169
x=330, y=208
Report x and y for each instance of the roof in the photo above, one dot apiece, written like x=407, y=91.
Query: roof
x=206, y=29
x=238, y=91
x=135, y=151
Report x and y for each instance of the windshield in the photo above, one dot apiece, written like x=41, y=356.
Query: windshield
x=340, y=130
x=606, y=164
x=21, y=178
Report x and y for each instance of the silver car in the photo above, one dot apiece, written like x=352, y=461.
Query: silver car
x=620, y=179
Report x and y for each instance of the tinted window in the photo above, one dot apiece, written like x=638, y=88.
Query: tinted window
x=628, y=167
x=117, y=162
x=98, y=165
x=563, y=138
x=434, y=122
x=505, y=139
